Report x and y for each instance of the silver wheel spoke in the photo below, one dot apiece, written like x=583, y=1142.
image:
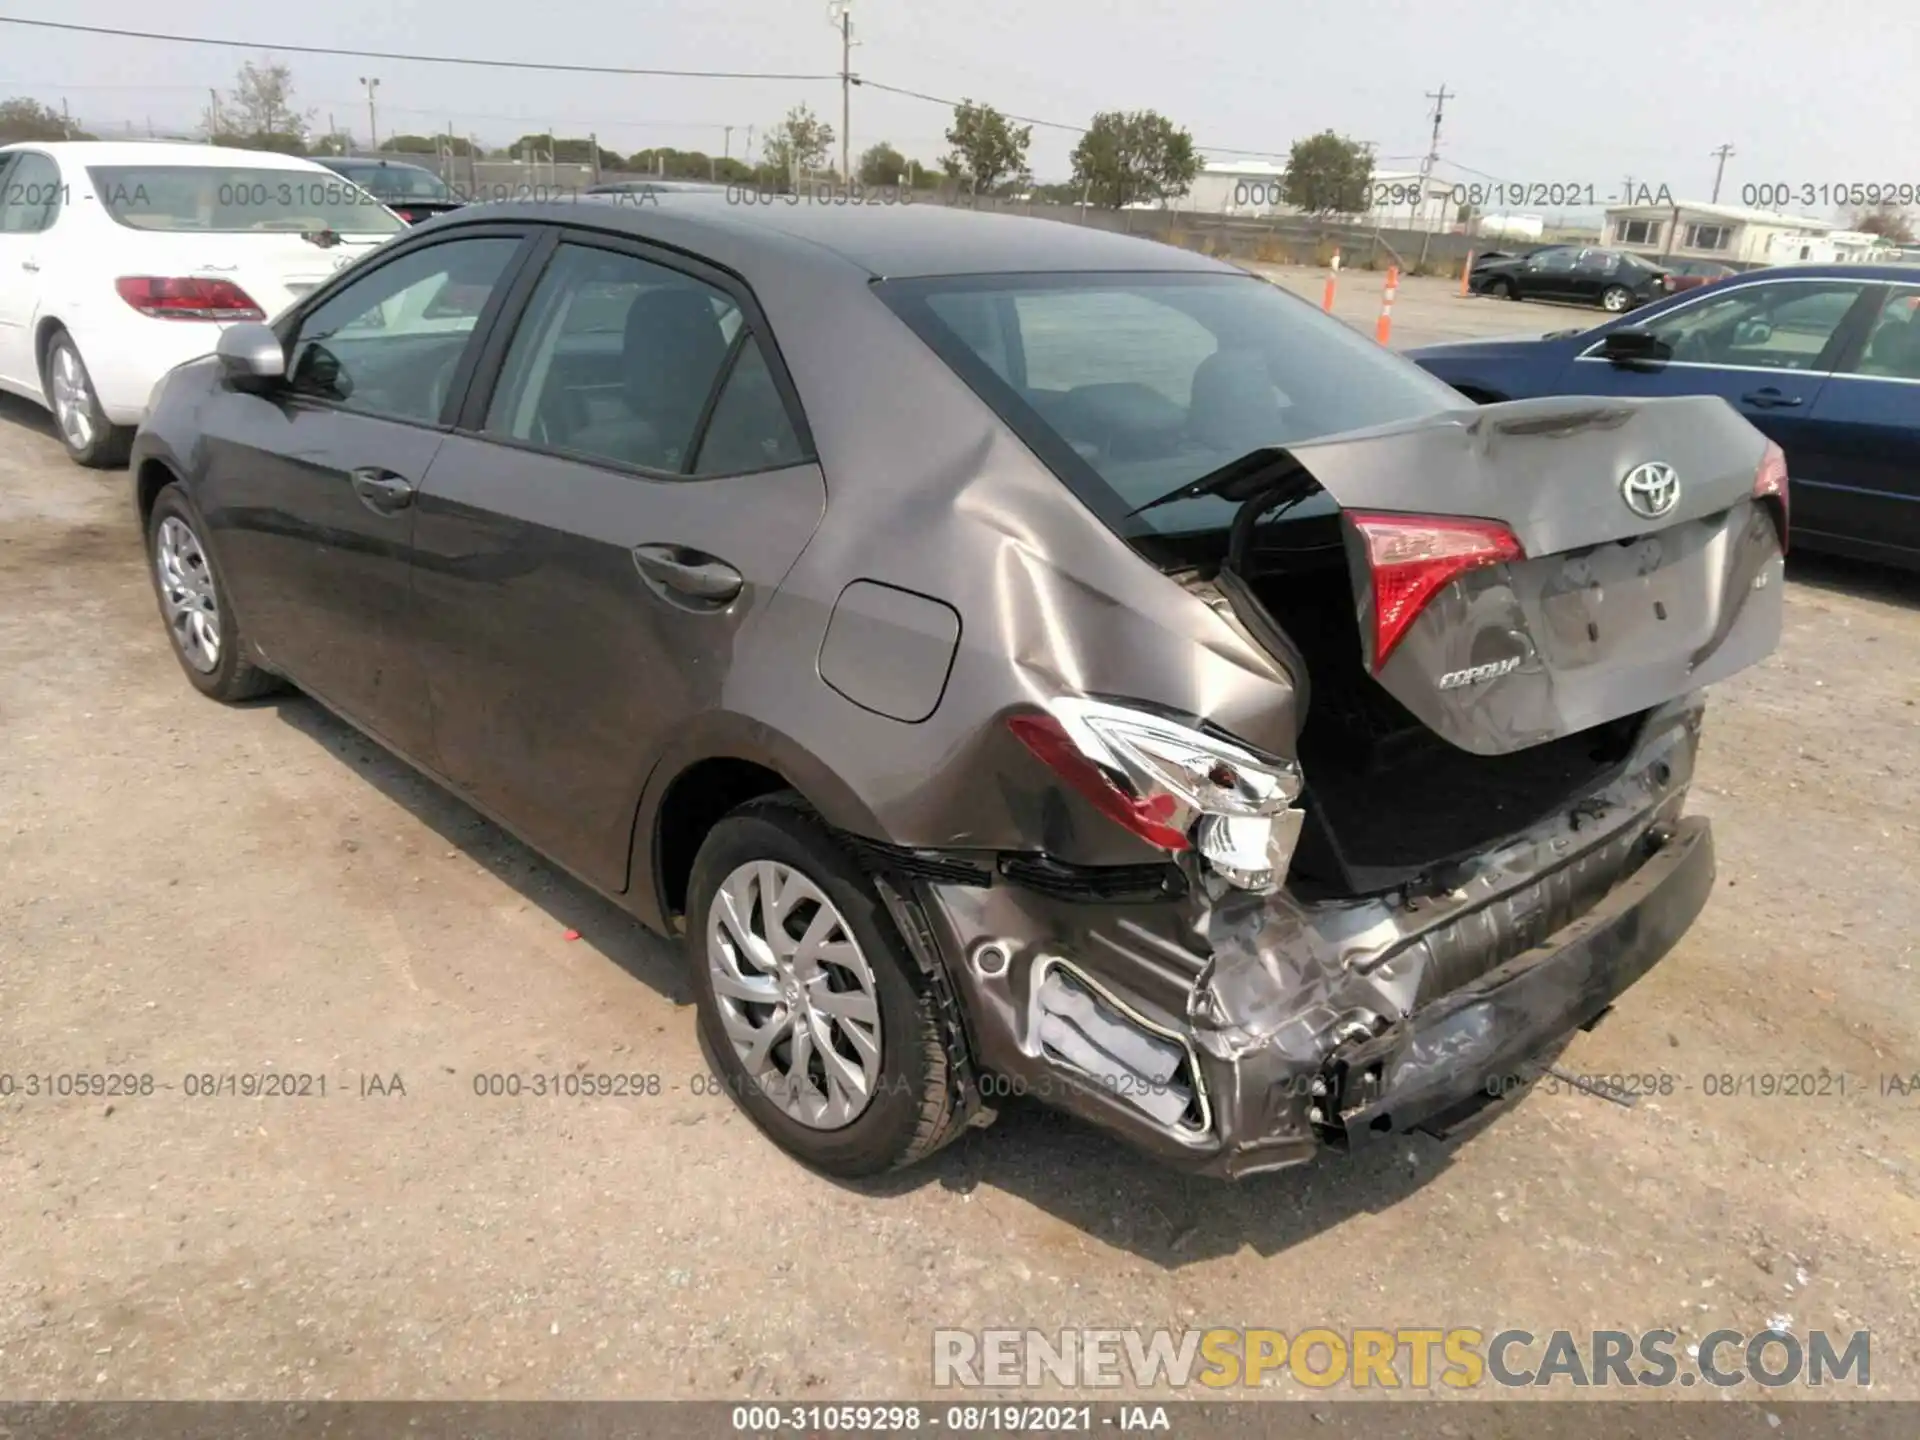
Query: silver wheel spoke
x=813, y=1050
x=187, y=594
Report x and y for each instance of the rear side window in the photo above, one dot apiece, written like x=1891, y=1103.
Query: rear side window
x=618, y=359
x=31, y=194
x=1131, y=385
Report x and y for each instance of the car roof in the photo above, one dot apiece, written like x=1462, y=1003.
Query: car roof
x=885, y=241
x=159, y=152
x=368, y=162
x=1882, y=274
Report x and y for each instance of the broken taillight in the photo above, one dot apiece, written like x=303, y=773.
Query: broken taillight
x=1150, y=817
x=1771, y=484
x=1413, y=557
x=187, y=297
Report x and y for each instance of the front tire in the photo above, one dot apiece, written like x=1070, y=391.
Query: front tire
x=84, y=429
x=826, y=1031
x=1500, y=288
x=195, y=605
x=1616, y=299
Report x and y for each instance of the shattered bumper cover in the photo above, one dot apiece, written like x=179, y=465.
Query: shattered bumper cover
x=1246, y=1035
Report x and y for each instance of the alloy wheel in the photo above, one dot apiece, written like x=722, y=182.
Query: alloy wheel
x=795, y=994
x=1614, y=301
x=72, y=397
x=186, y=591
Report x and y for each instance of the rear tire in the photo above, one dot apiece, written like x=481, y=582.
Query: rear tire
x=196, y=606
x=1616, y=299
x=734, y=944
x=91, y=440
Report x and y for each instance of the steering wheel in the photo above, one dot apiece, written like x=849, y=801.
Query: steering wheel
x=1692, y=349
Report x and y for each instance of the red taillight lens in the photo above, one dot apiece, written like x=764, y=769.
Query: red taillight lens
x=1771, y=484
x=187, y=297
x=1148, y=818
x=1414, y=557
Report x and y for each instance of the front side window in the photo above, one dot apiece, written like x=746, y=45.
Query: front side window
x=1559, y=262
x=1131, y=385
x=238, y=199
x=1784, y=326
x=388, y=343
x=31, y=194
x=617, y=359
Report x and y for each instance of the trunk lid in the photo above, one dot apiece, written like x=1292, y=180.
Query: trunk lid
x=1611, y=610
x=275, y=268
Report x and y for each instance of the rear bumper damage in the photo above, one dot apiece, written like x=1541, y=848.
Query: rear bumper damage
x=1242, y=1035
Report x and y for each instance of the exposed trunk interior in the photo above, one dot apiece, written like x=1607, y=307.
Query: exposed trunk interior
x=1386, y=797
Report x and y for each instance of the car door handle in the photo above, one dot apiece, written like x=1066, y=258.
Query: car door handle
x=382, y=490
x=690, y=572
x=1769, y=399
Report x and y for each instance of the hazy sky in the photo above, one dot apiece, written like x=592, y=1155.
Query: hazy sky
x=1573, y=93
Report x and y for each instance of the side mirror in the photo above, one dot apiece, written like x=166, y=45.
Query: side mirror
x=251, y=356
x=1634, y=347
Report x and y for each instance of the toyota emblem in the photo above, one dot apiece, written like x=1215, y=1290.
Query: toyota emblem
x=1651, y=490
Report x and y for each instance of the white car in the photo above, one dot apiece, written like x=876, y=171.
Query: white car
x=119, y=261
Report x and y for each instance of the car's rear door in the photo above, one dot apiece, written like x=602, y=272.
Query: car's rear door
x=1767, y=349
x=309, y=489
x=31, y=196
x=628, y=485
x=1860, y=465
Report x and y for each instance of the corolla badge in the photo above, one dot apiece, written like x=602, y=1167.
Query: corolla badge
x=1651, y=490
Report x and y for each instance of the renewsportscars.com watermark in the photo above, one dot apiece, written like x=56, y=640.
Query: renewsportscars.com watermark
x=1399, y=1359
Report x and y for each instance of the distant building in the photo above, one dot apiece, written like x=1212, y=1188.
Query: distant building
x=1687, y=230
x=1511, y=227
x=1259, y=188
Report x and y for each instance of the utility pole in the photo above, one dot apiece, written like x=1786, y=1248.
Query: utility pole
x=726, y=143
x=1722, y=153
x=372, y=82
x=841, y=13
x=66, y=120
x=213, y=116
x=1439, y=98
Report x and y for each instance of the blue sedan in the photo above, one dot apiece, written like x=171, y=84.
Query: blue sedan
x=1825, y=359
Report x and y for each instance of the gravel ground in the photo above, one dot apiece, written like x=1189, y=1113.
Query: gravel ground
x=192, y=890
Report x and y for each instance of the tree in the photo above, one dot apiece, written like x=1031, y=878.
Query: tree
x=409, y=145
x=797, y=144
x=280, y=142
x=261, y=104
x=882, y=165
x=1328, y=174
x=987, y=147
x=30, y=120
x=1128, y=157
x=1888, y=222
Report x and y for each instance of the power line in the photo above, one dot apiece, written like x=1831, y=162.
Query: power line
x=412, y=58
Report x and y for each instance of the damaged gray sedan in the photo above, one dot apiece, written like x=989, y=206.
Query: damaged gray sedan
x=1018, y=659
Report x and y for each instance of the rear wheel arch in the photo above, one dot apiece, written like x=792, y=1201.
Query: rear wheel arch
x=698, y=798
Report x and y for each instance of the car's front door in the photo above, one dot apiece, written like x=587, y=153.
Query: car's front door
x=1860, y=469
x=1547, y=275
x=1766, y=348
x=309, y=489
x=628, y=485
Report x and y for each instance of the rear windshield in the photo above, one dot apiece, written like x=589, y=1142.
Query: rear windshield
x=233, y=198
x=398, y=182
x=1131, y=385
